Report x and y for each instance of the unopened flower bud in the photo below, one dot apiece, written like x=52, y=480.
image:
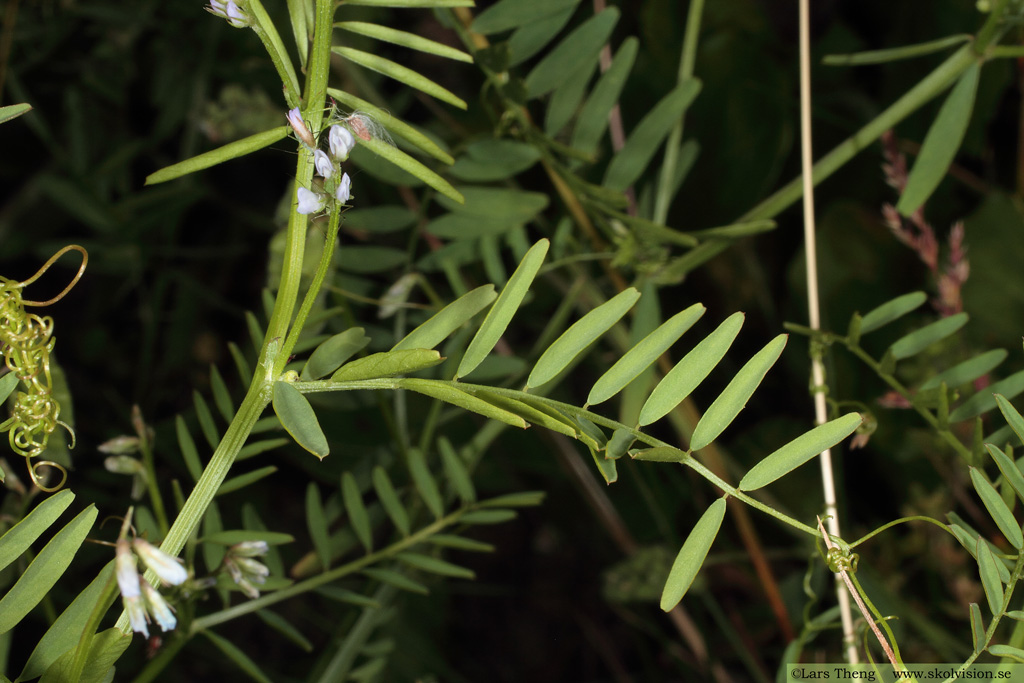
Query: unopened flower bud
x=249, y=549
x=123, y=464
x=300, y=127
x=120, y=445
x=126, y=570
x=170, y=569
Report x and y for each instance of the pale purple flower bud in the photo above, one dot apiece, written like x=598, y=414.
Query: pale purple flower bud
x=323, y=164
x=250, y=590
x=120, y=445
x=158, y=607
x=341, y=142
x=249, y=549
x=344, y=191
x=236, y=17
x=170, y=569
x=125, y=567
x=300, y=127
x=256, y=572
x=137, y=616
x=123, y=464
x=309, y=202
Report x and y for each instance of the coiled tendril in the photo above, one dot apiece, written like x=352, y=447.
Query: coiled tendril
x=26, y=341
x=839, y=561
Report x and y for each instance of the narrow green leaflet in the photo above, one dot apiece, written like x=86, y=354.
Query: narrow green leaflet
x=66, y=631
x=488, y=211
x=13, y=111
x=690, y=371
x=1013, y=418
x=509, y=14
x=534, y=412
x=358, y=517
x=18, y=538
x=300, y=14
x=644, y=140
x=462, y=399
x=660, y=454
x=424, y=482
x=1007, y=652
x=733, y=230
x=799, y=450
x=232, y=150
x=254, y=448
x=977, y=628
x=918, y=340
x=515, y=500
x=565, y=99
x=299, y=420
x=393, y=124
x=1011, y=473
x=734, y=397
x=891, y=310
x=990, y=578
x=488, y=517
x=285, y=628
x=396, y=579
x=968, y=371
x=188, y=448
x=8, y=383
x=458, y=475
x=242, y=535
x=641, y=356
x=529, y=39
x=593, y=117
x=272, y=41
x=241, y=660
x=334, y=352
x=691, y=556
x=44, y=571
x=580, y=335
x=389, y=499
x=221, y=395
x=506, y=305
x=608, y=468
x=387, y=364
x=461, y=543
x=405, y=162
x=400, y=73
x=985, y=400
x=558, y=65
x=894, y=53
x=941, y=143
x=618, y=445
x=435, y=565
x=489, y=160
x=448, y=319
x=998, y=510
x=316, y=522
x=205, y=418
x=405, y=39
x=242, y=480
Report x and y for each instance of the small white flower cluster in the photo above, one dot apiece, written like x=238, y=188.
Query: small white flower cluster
x=244, y=570
x=336, y=185
x=230, y=11
x=140, y=598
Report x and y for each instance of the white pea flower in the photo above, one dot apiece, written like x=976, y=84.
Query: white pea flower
x=309, y=202
x=249, y=548
x=300, y=127
x=158, y=607
x=127, y=573
x=170, y=569
x=230, y=11
x=323, y=163
x=341, y=142
x=137, y=616
x=344, y=191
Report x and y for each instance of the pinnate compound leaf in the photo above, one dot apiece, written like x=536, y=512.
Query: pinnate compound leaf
x=448, y=319
x=643, y=142
x=891, y=310
x=387, y=364
x=509, y=14
x=691, y=370
x=44, y=571
x=918, y=340
x=691, y=556
x=799, y=450
x=506, y=305
x=462, y=399
x=358, y=517
x=967, y=371
x=404, y=38
x=999, y=511
x=400, y=73
x=584, y=42
x=18, y=538
x=221, y=154
x=640, y=357
x=985, y=400
x=941, y=143
x=1011, y=473
x=990, y=577
x=734, y=397
x=424, y=482
x=389, y=499
x=299, y=420
x=580, y=335
x=334, y=352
